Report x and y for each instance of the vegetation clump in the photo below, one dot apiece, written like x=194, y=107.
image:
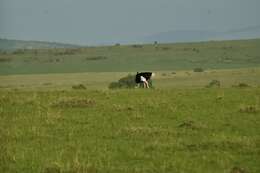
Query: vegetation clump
x=125, y=82
x=95, y=58
x=164, y=74
x=5, y=59
x=237, y=170
x=19, y=52
x=249, y=109
x=214, y=83
x=79, y=87
x=166, y=48
x=137, y=46
x=241, y=85
x=196, y=50
x=188, y=124
x=198, y=69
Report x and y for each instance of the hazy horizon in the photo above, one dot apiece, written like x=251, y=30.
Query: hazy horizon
x=89, y=22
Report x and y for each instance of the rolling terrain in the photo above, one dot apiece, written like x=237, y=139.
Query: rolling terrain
x=176, y=36
x=201, y=116
x=11, y=45
x=133, y=58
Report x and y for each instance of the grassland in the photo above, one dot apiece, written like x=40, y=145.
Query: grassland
x=132, y=58
x=179, y=126
x=101, y=80
x=175, y=130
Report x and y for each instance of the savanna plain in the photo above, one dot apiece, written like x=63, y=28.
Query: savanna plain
x=58, y=114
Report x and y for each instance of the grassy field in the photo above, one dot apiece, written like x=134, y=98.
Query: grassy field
x=182, y=125
x=101, y=80
x=132, y=58
x=170, y=130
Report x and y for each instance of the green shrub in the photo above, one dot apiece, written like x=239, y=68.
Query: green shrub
x=5, y=59
x=238, y=170
x=243, y=85
x=213, y=83
x=79, y=87
x=199, y=69
x=137, y=46
x=125, y=82
x=164, y=74
x=196, y=50
x=95, y=58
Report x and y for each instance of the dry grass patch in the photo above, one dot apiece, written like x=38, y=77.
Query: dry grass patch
x=75, y=103
x=249, y=109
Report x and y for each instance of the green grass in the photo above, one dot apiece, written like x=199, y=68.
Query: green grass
x=180, y=126
x=126, y=131
x=161, y=57
x=101, y=80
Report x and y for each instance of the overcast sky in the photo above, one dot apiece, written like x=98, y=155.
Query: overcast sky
x=110, y=21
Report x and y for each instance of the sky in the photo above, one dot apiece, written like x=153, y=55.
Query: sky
x=92, y=22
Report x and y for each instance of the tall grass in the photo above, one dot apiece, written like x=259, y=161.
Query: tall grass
x=127, y=131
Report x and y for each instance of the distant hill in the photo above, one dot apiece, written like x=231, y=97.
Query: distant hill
x=134, y=58
x=200, y=35
x=6, y=44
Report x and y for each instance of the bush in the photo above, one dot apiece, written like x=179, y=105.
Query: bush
x=114, y=85
x=125, y=82
x=95, y=58
x=238, y=170
x=164, y=74
x=137, y=46
x=166, y=48
x=79, y=87
x=5, y=59
x=19, y=51
x=242, y=85
x=213, y=83
x=196, y=50
x=198, y=69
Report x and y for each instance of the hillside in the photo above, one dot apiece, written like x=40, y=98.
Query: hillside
x=176, y=36
x=132, y=58
x=6, y=44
